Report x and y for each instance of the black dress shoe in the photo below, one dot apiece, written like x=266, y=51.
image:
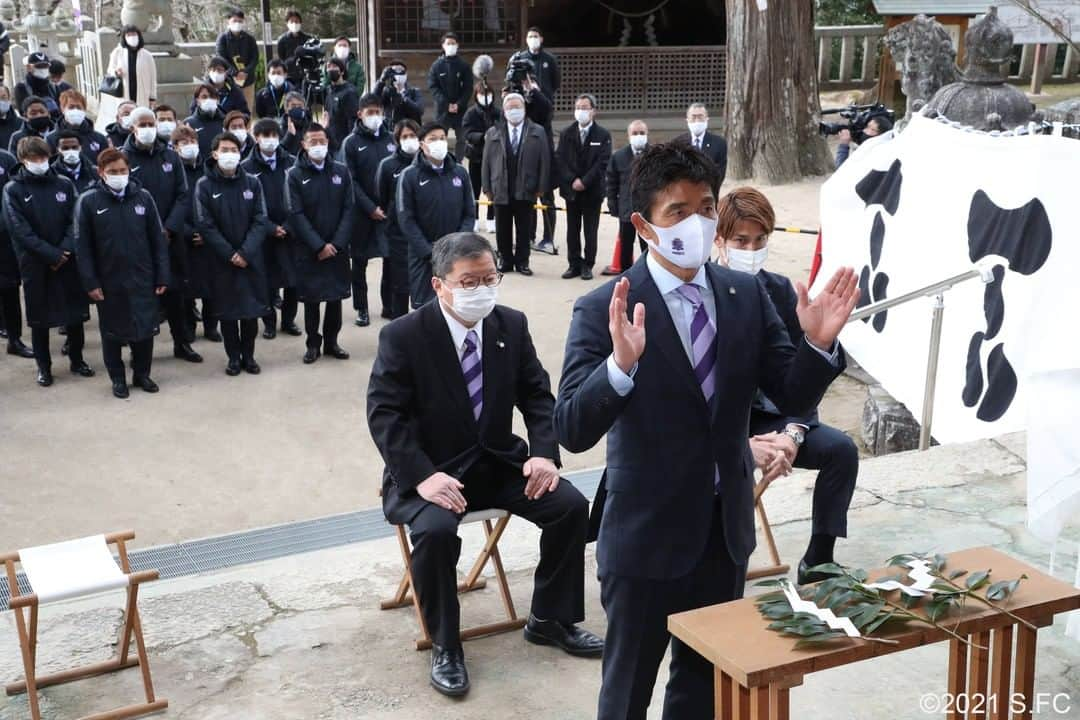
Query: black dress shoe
x=448, y=672
x=524, y=270
x=232, y=369
x=212, y=335
x=386, y=314
x=586, y=273
x=277, y=301
x=3, y=333
x=362, y=319
x=807, y=577
x=18, y=348
x=145, y=383
x=572, y=639
x=311, y=355
x=44, y=377
x=269, y=332
x=336, y=351
x=82, y=369
x=185, y=352
x=120, y=388
x=291, y=329
x=505, y=268
x=572, y=272
x=252, y=368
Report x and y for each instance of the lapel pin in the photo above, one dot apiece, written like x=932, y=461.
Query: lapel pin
x=731, y=291
x=500, y=343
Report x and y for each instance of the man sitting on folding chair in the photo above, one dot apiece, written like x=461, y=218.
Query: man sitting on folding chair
x=440, y=408
x=778, y=442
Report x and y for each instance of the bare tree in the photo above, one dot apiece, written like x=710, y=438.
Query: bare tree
x=771, y=100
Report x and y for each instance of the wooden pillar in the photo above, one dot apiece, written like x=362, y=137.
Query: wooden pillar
x=1037, y=69
x=824, y=65
x=847, y=57
x=870, y=57
x=365, y=34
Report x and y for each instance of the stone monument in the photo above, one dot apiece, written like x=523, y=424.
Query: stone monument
x=982, y=99
x=925, y=57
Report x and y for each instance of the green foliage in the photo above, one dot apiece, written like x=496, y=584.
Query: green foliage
x=846, y=12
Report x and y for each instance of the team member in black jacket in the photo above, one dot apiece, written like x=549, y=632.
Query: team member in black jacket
x=270, y=101
x=584, y=152
x=434, y=198
x=269, y=163
x=118, y=131
x=10, y=305
x=123, y=261
x=241, y=53
x=73, y=117
x=39, y=210
x=186, y=144
x=38, y=123
x=229, y=95
x=362, y=152
x=400, y=100
x=617, y=183
x=208, y=120
x=72, y=163
x=397, y=246
x=342, y=104
x=450, y=82
x=319, y=198
x=166, y=122
x=288, y=42
x=10, y=122
x=230, y=214
x=236, y=124
x=478, y=119
x=157, y=168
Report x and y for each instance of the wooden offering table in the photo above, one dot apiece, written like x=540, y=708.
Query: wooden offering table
x=756, y=667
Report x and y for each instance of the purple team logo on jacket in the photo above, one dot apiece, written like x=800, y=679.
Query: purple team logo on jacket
x=456, y=181
x=336, y=179
x=166, y=167
x=248, y=195
x=391, y=147
x=95, y=146
x=61, y=196
x=140, y=209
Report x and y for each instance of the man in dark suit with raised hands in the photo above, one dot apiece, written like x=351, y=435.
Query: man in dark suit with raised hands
x=675, y=508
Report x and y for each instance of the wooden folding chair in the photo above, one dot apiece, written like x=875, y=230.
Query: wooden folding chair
x=66, y=570
x=473, y=581
x=776, y=568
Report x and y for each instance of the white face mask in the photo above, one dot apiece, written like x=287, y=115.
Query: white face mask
x=146, y=135
x=583, y=117
x=483, y=100
x=117, y=182
x=534, y=43
x=41, y=73
x=294, y=27
x=318, y=152
x=400, y=79
x=236, y=26
x=437, y=149
x=277, y=80
x=474, y=305
x=697, y=128
x=125, y=122
x=165, y=129
x=132, y=40
x=638, y=142
x=216, y=76
x=269, y=145
x=240, y=135
x=228, y=160
x=450, y=49
x=74, y=117
x=70, y=157
x=5, y=106
x=373, y=122
x=341, y=53
x=208, y=106
x=747, y=261
x=37, y=168
x=410, y=146
x=515, y=116
x=687, y=243
x=189, y=151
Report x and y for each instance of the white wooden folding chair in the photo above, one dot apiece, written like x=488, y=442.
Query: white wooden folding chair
x=777, y=567
x=73, y=569
x=490, y=551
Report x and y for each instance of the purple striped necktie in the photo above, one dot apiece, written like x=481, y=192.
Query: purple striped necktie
x=474, y=374
x=702, y=342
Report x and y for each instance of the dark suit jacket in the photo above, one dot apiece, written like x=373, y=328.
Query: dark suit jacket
x=419, y=413
x=784, y=299
x=617, y=183
x=588, y=162
x=714, y=146
x=664, y=444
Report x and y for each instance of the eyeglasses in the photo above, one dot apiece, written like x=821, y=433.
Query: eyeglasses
x=472, y=283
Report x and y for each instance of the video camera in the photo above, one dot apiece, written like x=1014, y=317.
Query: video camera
x=517, y=71
x=310, y=58
x=857, y=116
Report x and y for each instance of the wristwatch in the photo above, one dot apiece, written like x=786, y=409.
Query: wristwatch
x=795, y=434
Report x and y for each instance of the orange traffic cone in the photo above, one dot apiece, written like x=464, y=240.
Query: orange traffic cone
x=615, y=267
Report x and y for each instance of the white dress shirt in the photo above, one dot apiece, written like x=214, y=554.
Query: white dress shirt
x=459, y=331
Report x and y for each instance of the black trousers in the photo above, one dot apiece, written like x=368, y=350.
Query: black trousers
x=627, y=234
x=142, y=355
x=581, y=217
x=559, y=582
x=397, y=268
x=835, y=456
x=360, y=288
x=11, y=312
x=239, y=339
x=331, y=324
x=39, y=340
x=176, y=314
x=547, y=217
x=289, y=305
x=420, y=281
x=208, y=321
x=637, y=635
x=476, y=170
x=512, y=222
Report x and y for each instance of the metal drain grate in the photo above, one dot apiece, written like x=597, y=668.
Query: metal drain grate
x=249, y=546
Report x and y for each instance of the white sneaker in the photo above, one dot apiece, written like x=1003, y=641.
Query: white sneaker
x=476, y=227
x=489, y=225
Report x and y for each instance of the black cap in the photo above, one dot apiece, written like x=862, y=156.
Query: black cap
x=430, y=127
x=37, y=58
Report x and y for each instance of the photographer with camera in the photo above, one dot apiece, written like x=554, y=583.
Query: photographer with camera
x=521, y=79
x=289, y=42
x=546, y=66
x=874, y=127
x=450, y=82
x=478, y=120
x=354, y=71
x=863, y=122
x=400, y=101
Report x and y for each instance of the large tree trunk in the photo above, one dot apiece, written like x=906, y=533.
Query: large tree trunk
x=771, y=101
